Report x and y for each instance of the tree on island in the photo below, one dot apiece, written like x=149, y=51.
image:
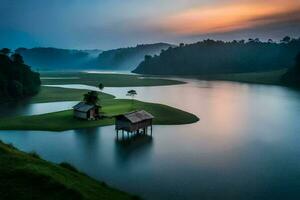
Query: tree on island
x=132, y=94
x=91, y=98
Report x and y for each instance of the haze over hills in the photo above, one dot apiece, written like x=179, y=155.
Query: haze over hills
x=215, y=57
x=129, y=58
x=125, y=59
x=55, y=59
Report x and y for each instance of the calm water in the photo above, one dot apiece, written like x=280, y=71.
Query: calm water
x=246, y=145
x=25, y=109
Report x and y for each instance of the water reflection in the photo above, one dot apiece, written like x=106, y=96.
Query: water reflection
x=26, y=108
x=133, y=147
x=246, y=145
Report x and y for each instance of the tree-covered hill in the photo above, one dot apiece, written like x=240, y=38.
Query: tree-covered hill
x=17, y=80
x=56, y=59
x=128, y=58
x=292, y=76
x=216, y=57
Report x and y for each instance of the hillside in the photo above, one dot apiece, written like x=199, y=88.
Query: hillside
x=25, y=176
x=17, y=80
x=53, y=59
x=128, y=58
x=56, y=59
x=292, y=76
x=219, y=57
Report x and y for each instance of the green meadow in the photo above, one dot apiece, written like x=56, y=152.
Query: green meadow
x=26, y=176
x=108, y=80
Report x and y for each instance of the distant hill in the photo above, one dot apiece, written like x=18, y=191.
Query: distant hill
x=128, y=58
x=56, y=59
x=47, y=59
x=219, y=57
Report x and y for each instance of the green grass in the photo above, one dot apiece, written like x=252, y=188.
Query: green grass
x=64, y=120
x=271, y=77
x=53, y=94
x=108, y=80
x=27, y=177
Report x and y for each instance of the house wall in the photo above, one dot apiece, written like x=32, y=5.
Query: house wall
x=81, y=115
x=126, y=125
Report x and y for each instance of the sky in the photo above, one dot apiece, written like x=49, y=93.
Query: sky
x=108, y=24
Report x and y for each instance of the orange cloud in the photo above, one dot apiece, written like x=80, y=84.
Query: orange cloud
x=229, y=17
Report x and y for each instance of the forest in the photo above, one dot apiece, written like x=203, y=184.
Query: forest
x=128, y=58
x=219, y=57
x=17, y=80
x=292, y=76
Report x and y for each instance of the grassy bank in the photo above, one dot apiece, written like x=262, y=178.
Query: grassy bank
x=60, y=121
x=25, y=176
x=271, y=77
x=108, y=80
x=54, y=94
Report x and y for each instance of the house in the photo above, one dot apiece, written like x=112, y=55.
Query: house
x=86, y=111
x=134, y=121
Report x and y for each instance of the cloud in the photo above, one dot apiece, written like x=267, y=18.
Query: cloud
x=111, y=24
x=222, y=18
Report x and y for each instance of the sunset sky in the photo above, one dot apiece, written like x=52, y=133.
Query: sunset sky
x=117, y=23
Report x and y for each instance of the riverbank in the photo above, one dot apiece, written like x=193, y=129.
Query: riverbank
x=26, y=176
x=270, y=78
x=56, y=94
x=108, y=80
x=62, y=121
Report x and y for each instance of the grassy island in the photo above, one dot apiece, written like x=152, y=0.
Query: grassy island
x=26, y=176
x=64, y=120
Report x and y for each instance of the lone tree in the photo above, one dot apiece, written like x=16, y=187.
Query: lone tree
x=132, y=94
x=91, y=98
x=101, y=86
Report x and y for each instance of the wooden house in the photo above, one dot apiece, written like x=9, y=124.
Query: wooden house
x=134, y=121
x=86, y=111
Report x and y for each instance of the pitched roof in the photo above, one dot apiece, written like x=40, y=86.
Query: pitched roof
x=138, y=116
x=83, y=107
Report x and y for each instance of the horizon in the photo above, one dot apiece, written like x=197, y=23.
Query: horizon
x=96, y=24
x=173, y=44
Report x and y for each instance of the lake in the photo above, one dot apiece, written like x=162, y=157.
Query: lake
x=245, y=146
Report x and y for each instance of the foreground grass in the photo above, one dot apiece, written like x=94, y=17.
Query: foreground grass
x=108, y=80
x=25, y=176
x=271, y=77
x=64, y=120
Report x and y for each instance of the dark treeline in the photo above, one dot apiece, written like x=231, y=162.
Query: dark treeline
x=17, y=80
x=128, y=58
x=216, y=57
x=292, y=76
x=57, y=59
